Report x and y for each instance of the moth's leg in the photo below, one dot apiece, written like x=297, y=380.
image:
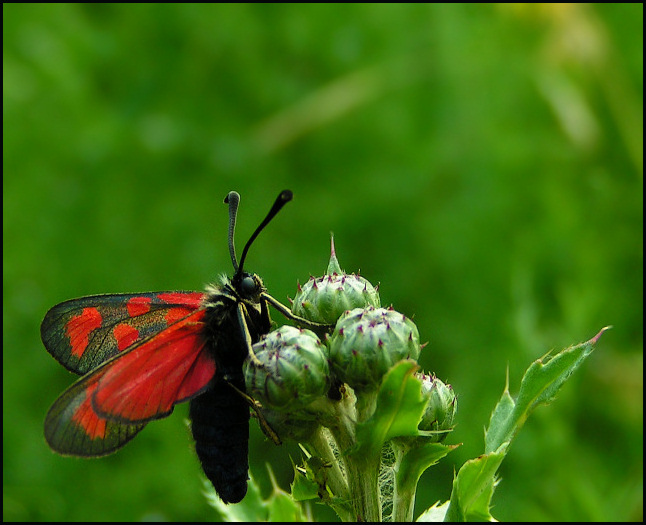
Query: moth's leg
x=242, y=322
x=265, y=317
x=255, y=406
x=316, y=327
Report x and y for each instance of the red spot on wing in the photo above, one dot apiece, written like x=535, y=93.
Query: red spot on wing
x=79, y=328
x=175, y=314
x=146, y=381
x=125, y=335
x=138, y=306
x=74, y=427
x=193, y=299
x=86, y=418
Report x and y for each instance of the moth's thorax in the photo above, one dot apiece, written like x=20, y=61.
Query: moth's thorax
x=224, y=304
x=220, y=295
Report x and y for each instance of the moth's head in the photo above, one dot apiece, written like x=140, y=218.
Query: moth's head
x=248, y=285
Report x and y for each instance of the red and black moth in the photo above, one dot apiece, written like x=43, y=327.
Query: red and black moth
x=140, y=354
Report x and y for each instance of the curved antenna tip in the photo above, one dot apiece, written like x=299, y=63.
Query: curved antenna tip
x=232, y=195
x=233, y=200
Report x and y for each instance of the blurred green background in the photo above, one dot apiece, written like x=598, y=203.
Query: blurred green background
x=482, y=162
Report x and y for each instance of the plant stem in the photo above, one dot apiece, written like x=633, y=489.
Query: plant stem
x=363, y=483
x=403, y=491
x=361, y=473
x=320, y=445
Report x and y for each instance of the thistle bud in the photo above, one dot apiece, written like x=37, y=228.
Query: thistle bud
x=441, y=408
x=324, y=299
x=294, y=369
x=367, y=342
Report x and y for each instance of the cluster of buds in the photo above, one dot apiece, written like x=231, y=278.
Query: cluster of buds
x=298, y=369
x=349, y=397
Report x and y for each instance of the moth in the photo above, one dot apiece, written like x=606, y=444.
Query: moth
x=140, y=354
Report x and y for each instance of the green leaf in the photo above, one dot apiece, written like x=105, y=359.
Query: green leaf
x=303, y=487
x=473, y=488
x=539, y=385
x=435, y=513
x=414, y=455
x=474, y=485
x=417, y=459
x=399, y=409
x=251, y=508
x=280, y=506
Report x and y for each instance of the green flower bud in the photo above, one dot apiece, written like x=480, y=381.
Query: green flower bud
x=324, y=299
x=294, y=369
x=367, y=342
x=441, y=408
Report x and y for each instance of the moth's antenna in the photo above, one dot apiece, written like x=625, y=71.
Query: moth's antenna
x=232, y=199
x=282, y=199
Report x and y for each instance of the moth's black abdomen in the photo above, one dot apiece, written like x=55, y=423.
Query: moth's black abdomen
x=220, y=416
x=220, y=426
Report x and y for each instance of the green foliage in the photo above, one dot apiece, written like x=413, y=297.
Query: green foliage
x=398, y=410
x=278, y=507
x=540, y=384
x=475, y=482
x=390, y=428
x=483, y=162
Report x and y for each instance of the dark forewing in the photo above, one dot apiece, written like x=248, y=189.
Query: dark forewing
x=83, y=333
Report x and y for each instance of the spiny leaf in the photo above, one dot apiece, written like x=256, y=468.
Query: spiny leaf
x=539, y=385
x=399, y=409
